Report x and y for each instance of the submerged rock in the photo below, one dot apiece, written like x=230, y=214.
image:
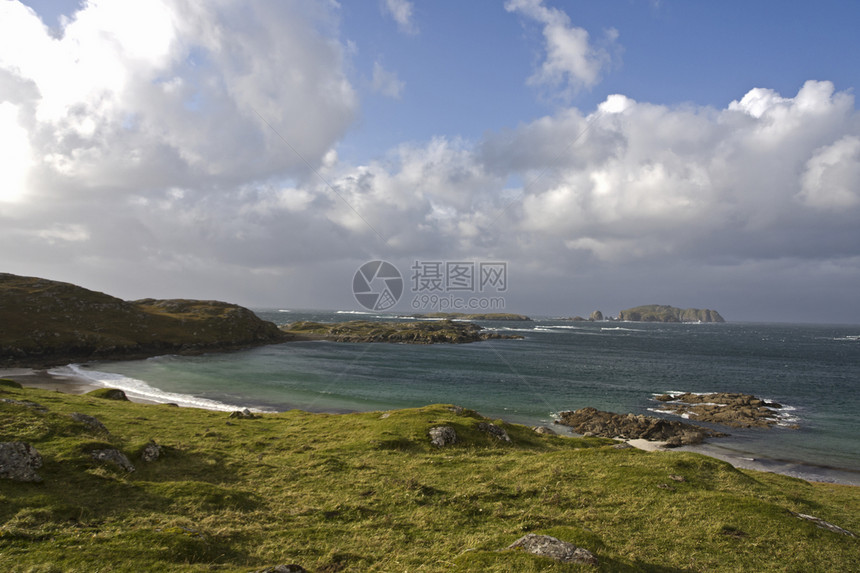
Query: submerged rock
x=548, y=546
x=19, y=462
x=594, y=422
x=442, y=436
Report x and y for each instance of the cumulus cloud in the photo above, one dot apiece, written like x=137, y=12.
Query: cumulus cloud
x=385, y=82
x=401, y=11
x=573, y=62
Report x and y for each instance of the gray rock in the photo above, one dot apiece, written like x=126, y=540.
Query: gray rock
x=547, y=546
x=825, y=525
x=545, y=430
x=150, y=452
x=24, y=403
x=90, y=421
x=245, y=414
x=442, y=436
x=494, y=430
x=115, y=457
x=19, y=462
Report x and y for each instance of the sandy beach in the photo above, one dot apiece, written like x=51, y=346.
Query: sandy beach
x=43, y=380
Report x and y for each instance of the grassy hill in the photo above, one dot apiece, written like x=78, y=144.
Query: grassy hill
x=49, y=322
x=368, y=492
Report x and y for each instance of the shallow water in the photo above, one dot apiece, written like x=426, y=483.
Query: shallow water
x=813, y=370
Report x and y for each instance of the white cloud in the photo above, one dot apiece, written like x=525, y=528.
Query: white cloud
x=385, y=82
x=832, y=177
x=572, y=60
x=401, y=11
x=15, y=154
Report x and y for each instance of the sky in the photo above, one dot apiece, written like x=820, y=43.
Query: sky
x=604, y=154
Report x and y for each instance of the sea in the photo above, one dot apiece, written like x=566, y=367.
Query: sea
x=812, y=371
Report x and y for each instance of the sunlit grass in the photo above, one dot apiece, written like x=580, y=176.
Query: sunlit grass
x=367, y=492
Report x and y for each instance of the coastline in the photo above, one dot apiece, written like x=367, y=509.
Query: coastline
x=68, y=383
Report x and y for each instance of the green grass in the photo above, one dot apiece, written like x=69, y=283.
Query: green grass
x=367, y=492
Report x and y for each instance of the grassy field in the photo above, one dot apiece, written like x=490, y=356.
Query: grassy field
x=368, y=492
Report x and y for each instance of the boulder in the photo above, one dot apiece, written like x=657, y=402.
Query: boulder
x=442, y=436
x=548, y=546
x=90, y=421
x=596, y=316
x=19, y=462
x=494, y=430
x=245, y=414
x=544, y=430
x=115, y=457
x=150, y=452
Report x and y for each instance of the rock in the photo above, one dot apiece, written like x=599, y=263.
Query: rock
x=24, y=403
x=593, y=422
x=245, y=414
x=442, y=436
x=729, y=409
x=596, y=316
x=283, y=569
x=457, y=409
x=824, y=524
x=494, y=430
x=544, y=430
x=19, y=462
x=548, y=546
x=150, y=452
x=109, y=394
x=114, y=457
x=90, y=421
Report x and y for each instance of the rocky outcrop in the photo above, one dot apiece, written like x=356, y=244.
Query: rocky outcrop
x=593, y=422
x=91, y=422
x=548, y=546
x=109, y=394
x=19, y=462
x=419, y=332
x=48, y=322
x=151, y=452
x=728, y=409
x=545, y=430
x=114, y=457
x=442, y=436
x=663, y=313
x=495, y=431
x=596, y=316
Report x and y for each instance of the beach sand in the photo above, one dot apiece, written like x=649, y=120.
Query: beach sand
x=44, y=380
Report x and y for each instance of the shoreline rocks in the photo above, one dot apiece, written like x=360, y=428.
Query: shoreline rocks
x=728, y=409
x=593, y=422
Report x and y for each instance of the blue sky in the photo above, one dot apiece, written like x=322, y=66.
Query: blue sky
x=701, y=154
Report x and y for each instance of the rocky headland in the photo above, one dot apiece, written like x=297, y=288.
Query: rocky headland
x=664, y=313
x=46, y=323
x=419, y=332
x=728, y=409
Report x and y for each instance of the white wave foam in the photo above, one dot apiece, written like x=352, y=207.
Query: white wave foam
x=622, y=328
x=139, y=389
x=849, y=338
x=284, y=310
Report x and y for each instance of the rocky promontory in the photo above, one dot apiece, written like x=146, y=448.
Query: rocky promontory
x=45, y=322
x=593, y=422
x=664, y=313
x=728, y=409
x=419, y=332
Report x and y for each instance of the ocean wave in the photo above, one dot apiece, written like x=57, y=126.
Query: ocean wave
x=139, y=389
x=848, y=338
x=609, y=328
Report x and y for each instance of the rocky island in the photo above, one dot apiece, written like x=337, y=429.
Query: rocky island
x=45, y=323
x=664, y=313
x=420, y=332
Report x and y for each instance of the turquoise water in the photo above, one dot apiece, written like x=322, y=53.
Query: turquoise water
x=813, y=370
